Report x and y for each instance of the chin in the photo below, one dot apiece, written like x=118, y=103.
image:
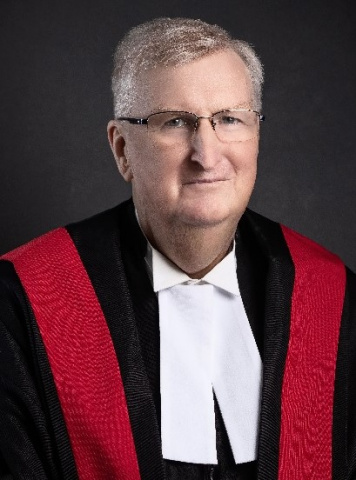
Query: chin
x=206, y=217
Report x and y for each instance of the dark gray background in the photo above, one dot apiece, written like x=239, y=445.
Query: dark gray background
x=55, y=101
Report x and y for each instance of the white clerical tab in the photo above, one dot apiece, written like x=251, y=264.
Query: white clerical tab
x=187, y=403
x=237, y=375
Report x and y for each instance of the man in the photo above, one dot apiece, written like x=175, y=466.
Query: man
x=132, y=343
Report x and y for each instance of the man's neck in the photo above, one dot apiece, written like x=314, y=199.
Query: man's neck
x=194, y=250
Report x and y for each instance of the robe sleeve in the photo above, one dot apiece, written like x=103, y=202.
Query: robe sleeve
x=26, y=441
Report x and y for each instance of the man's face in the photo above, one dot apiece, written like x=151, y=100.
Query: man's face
x=201, y=181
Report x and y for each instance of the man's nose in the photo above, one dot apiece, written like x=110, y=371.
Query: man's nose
x=205, y=144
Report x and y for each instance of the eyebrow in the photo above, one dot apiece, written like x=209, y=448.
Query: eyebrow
x=241, y=105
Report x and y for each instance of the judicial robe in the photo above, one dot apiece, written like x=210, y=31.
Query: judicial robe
x=288, y=288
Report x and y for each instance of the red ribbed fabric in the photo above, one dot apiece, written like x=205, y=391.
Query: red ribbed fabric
x=81, y=355
x=308, y=383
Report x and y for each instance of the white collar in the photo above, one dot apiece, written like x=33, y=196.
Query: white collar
x=166, y=274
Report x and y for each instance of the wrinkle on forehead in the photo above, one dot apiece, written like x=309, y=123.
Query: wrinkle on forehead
x=208, y=85
x=165, y=108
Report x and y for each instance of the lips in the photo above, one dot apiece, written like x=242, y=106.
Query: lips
x=204, y=181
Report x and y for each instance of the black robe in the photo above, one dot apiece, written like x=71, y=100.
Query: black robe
x=33, y=438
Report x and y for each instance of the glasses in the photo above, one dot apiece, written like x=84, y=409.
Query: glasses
x=233, y=125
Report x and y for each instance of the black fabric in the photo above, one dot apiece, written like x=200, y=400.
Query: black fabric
x=144, y=302
x=33, y=439
x=342, y=400
x=346, y=367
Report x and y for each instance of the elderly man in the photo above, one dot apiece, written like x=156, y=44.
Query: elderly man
x=178, y=335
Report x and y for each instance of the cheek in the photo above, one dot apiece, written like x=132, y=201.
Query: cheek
x=244, y=158
x=165, y=162
x=139, y=157
x=154, y=175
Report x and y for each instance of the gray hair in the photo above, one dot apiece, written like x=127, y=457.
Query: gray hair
x=174, y=42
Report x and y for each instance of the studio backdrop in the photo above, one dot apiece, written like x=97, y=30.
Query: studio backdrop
x=55, y=101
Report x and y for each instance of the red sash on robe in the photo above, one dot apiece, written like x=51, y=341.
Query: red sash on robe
x=87, y=375
x=309, y=376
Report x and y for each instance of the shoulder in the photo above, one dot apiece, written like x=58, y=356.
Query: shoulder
x=54, y=253
x=58, y=239
x=300, y=247
x=14, y=308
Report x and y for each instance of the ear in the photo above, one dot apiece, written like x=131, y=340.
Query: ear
x=116, y=137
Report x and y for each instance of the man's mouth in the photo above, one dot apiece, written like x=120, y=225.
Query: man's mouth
x=204, y=181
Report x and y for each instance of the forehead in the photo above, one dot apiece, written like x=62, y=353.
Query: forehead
x=204, y=86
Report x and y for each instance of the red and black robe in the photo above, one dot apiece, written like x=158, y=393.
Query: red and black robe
x=300, y=302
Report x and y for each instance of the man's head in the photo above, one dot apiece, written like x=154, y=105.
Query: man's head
x=184, y=176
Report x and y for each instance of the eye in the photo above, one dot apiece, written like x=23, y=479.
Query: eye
x=229, y=120
x=176, y=122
